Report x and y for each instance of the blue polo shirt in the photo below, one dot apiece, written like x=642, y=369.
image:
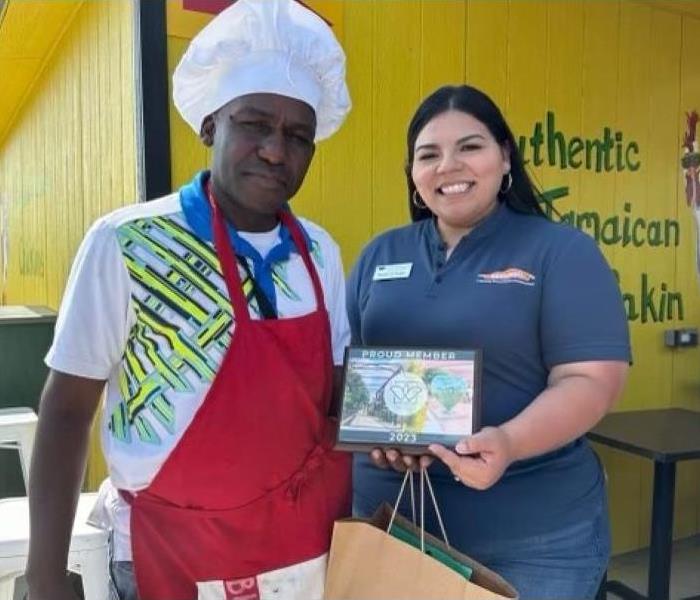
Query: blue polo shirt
x=531, y=294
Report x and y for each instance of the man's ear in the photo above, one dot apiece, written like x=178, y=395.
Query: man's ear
x=207, y=132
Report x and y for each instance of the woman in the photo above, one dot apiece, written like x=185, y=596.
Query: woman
x=525, y=495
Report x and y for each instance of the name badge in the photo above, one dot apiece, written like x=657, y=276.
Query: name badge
x=395, y=271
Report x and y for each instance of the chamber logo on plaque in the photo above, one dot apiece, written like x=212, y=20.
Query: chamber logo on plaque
x=408, y=398
x=405, y=394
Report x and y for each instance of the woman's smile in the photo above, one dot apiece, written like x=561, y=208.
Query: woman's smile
x=455, y=189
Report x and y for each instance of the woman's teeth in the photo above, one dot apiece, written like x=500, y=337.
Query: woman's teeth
x=454, y=188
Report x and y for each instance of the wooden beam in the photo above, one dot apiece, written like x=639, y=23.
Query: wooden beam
x=154, y=141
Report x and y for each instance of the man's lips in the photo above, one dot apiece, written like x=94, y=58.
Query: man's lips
x=268, y=178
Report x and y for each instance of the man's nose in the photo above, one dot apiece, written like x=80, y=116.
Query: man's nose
x=273, y=148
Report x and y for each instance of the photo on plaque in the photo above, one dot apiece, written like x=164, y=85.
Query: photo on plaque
x=408, y=398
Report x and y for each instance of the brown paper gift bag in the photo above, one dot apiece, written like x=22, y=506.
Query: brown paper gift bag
x=367, y=563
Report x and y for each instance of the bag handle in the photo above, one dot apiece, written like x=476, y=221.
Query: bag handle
x=424, y=477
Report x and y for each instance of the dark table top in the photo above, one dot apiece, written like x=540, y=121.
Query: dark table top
x=663, y=434
x=26, y=315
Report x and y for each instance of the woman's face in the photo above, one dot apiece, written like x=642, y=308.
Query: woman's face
x=458, y=168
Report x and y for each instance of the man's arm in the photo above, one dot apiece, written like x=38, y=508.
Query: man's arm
x=68, y=405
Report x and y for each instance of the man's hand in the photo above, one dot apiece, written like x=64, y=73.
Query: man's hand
x=60, y=590
x=479, y=460
x=392, y=458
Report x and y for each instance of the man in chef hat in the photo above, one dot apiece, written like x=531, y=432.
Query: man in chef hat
x=215, y=317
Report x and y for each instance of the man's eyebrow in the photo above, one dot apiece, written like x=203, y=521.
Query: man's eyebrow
x=251, y=110
x=301, y=127
x=254, y=111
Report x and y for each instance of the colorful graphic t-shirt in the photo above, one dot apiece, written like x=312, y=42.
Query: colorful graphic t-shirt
x=146, y=308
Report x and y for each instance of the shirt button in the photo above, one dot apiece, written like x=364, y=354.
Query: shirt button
x=438, y=279
x=440, y=264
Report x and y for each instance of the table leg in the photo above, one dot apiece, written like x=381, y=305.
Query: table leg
x=661, y=530
x=622, y=590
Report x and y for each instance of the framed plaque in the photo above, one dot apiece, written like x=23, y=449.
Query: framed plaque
x=408, y=398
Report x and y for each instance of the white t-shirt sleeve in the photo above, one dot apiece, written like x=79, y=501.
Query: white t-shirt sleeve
x=335, y=303
x=93, y=321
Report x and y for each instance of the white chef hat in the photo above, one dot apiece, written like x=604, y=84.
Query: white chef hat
x=264, y=46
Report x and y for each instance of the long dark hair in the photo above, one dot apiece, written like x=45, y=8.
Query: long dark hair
x=522, y=196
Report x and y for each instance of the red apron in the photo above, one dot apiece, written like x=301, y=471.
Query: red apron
x=253, y=484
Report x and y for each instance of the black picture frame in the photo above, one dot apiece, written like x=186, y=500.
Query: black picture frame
x=408, y=398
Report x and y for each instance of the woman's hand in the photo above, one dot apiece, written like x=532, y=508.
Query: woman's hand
x=480, y=459
x=392, y=458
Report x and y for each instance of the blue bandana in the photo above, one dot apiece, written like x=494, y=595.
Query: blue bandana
x=195, y=206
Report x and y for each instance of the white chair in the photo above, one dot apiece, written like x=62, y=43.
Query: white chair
x=87, y=555
x=17, y=429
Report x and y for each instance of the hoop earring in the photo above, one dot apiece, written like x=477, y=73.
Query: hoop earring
x=510, y=184
x=417, y=201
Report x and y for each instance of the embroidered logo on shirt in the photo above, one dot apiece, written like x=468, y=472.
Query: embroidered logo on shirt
x=242, y=589
x=511, y=275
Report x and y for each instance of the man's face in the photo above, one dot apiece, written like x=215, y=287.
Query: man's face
x=262, y=147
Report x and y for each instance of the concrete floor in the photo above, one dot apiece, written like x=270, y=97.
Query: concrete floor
x=631, y=568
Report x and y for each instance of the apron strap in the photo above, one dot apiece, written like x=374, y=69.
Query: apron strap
x=292, y=225
x=264, y=305
x=228, y=262
x=229, y=265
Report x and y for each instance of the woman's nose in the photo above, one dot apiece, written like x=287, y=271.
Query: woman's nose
x=448, y=163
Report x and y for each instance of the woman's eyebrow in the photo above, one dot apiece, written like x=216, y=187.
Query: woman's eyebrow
x=466, y=138
x=471, y=136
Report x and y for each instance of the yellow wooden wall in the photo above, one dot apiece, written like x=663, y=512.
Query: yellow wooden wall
x=69, y=157
x=627, y=65
x=621, y=64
